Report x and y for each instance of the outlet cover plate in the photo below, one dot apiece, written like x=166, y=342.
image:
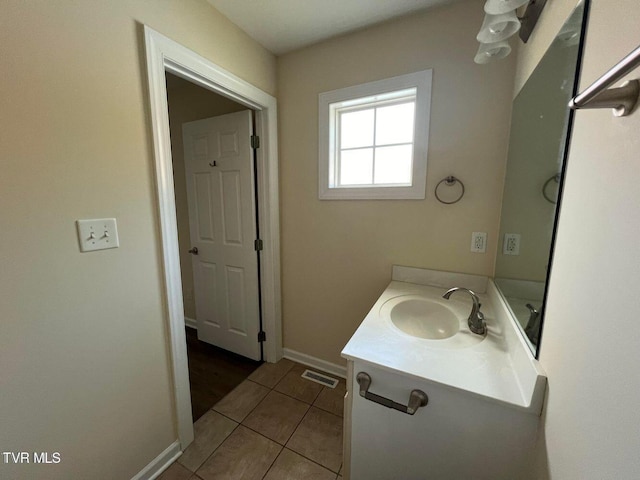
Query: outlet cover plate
x=97, y=234
x=479, y=242
x=511, y=245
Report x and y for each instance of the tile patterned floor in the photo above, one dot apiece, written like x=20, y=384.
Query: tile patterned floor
x=273, y=426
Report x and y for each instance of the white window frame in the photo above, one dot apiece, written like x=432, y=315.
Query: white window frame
x=422, y=82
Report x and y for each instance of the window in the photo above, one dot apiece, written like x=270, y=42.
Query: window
x=373, y=139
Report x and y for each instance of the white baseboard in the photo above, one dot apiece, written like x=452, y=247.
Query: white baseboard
x=190, y=322
x=160, y=463
x=314, y=362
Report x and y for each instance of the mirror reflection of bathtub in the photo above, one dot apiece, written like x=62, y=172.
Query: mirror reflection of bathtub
x=540, y=129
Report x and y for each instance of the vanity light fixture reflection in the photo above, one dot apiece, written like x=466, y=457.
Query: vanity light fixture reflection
x=496, y=7
x=492, y=51
x=501, y=22
x=496, y=28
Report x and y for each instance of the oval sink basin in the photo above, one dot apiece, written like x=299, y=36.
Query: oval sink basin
x=431, y=320
x=424, y=318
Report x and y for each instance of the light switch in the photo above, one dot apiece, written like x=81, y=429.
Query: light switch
x=97, y=234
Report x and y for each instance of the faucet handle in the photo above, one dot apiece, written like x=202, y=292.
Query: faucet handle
x=478, y=325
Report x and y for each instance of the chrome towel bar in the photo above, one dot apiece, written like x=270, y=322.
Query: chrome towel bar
x=622, y=99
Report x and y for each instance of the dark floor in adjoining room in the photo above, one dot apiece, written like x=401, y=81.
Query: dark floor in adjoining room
x=213, y=373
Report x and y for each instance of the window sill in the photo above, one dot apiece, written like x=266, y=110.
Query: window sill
x=372, y=193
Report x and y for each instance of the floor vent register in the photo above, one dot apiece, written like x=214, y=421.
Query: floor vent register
x=320, y=378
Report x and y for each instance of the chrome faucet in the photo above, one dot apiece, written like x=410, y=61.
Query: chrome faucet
x=533, y=325
x=476, y=317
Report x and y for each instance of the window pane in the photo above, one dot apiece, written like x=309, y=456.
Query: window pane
x=393, y=165
x=356, y=167
x=394, y=124
x=356, y=129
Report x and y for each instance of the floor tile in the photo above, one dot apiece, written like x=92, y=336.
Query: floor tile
x=295, y=386
x=332, y=399
x=244, y=455
x=239, y=403
x=176, y=472
x=209, y=431
x=291, y=466
x=276, y=417
x=269, y=374
x=319, y=438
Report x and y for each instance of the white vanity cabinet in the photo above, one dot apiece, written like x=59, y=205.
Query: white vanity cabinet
x=456, y=436
x=485, y=393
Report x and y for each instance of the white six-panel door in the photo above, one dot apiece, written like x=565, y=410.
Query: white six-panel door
x=222, y=220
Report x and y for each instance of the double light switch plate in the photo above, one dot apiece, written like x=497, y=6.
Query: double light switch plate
x=97, y=234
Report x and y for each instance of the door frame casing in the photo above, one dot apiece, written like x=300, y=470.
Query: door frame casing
x=165, y=55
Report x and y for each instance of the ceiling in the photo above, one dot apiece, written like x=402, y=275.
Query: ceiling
x=285, y=25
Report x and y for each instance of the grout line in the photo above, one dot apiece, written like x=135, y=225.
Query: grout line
x=215, y=449
x=250, y=411
x=263, y=435
x=222, y=414
x=291, y=396
x=330, y=413
x=295, y=429
x=324, y=409
x=275, y=441
x=257, y=405
x=279, y=379
x=312, y=461
x=272, y=463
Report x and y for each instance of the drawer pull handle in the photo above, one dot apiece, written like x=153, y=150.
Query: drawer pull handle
x=417, y=398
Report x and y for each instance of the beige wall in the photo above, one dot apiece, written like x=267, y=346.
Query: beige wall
x=84, y=366
x=337, y=255
x=553, y=17
x=590, y=340
x=188, y=102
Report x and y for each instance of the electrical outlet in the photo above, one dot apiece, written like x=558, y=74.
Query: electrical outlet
x=479, y=242
x=97, y=234
x=511, y=245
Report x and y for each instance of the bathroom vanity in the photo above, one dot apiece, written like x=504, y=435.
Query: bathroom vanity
x=429, y=399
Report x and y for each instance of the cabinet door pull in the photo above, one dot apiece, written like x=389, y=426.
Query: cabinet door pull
x=417, y=398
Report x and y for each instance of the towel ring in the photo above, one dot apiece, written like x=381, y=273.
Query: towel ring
x=449, y=182
x=556, y=178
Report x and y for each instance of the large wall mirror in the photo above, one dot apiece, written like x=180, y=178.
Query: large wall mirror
x=540, y=129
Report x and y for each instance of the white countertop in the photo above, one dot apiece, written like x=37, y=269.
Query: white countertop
x=486, y=369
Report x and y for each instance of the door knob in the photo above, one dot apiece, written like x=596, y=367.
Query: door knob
x=194, y=251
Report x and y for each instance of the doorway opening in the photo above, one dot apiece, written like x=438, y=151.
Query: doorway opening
x=214, y=166
x=163, y=55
